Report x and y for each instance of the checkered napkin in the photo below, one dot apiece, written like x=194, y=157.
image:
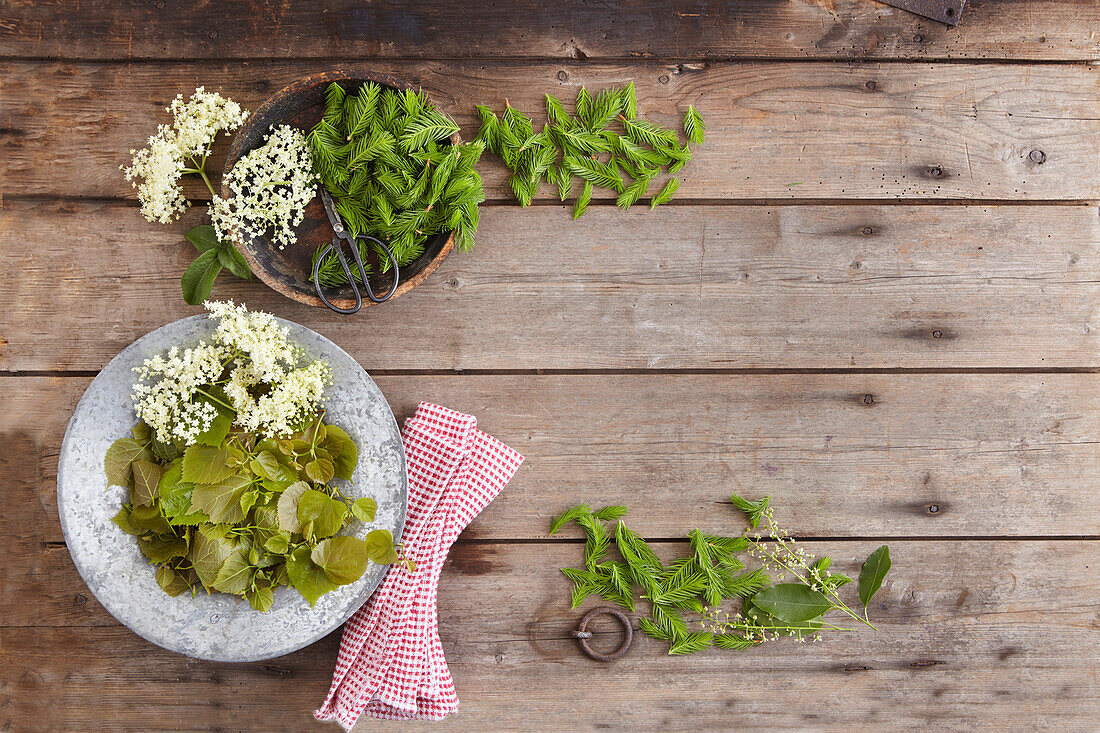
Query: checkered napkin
x=391, y=662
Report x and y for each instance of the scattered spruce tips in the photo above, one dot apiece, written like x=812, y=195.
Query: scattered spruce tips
x=603, y=144
x=686, y=596
x=386, y=158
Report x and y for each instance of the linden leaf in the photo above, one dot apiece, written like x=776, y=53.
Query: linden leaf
x=345, y=454
x=171, y=582
x=122, y=519
x=288, y=507
x=344, y=559
x=310, y=580
x=221, y=501
x=175, y=497
x=214, y=435
x=141, y=432
x=320, y=470
x=210, y=548
x=278, y=543
x=162, y=548
x=365, y=509
x=261, y=599
x=204, y=464
x=146, y=479
x=266, y=465
x=120, y=455
x=148, y=519
x=324, y=514
x=379, y=547
x=235, y=574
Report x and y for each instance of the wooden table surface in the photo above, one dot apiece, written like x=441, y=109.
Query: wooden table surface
x=874, y=299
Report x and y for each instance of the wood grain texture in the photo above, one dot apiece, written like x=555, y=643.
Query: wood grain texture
x=774, y=131
x=573, y=29
x=973, y=635
x=715, y=287
x=930, y=456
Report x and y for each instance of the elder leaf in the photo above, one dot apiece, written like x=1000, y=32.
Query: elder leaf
x=198, y=279
x=221, y=501
x=203, y=237
x=122, y=453
x=792, y=602
x=365, y=509
x=873, y=573
x=344, y=559
x=204, y=464
x=324, y=515
x=146, y=478
x=379, y=547
x=310, y=580
x=231, y=259
x=288, y=507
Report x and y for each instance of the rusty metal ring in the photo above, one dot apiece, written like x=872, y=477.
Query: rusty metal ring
x=582, y=635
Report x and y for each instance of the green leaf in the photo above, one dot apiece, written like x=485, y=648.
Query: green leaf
x=310, y=580
x=344, y=559
x=171, y=582
x=365, y=509
x=122, y=453
x=873, y=573
x=666, y=193
x=204, y=464
x=141, y=432
x=581, y=205
x=122, y=519
x=278, y=543
x=266, y=465
x=792, y=602
x=219, y=428
x=148, y=519
x=691, y=643
x=203, y=237
x=221, y=501
x=323, y=514
x=694, y=127
x=175, y=497
x=261, y=599
x=345, y=454
x=379, y=547
x=198, y=279
x=146, y=479
x=162, y=548
x=235, y=574
x=231, y=259
x=320, y=470
x=249, y=499
x=288, y=507
x=210, y=547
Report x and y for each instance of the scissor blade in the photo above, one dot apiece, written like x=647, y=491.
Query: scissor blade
x=330, y=209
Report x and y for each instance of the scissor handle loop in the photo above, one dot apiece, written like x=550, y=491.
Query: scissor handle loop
x=354, y=244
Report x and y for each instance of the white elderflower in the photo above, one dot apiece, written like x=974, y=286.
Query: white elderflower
x=287, y=405
x=270, y=187
x=177, y=149
x=254, y=334
x=166, y=396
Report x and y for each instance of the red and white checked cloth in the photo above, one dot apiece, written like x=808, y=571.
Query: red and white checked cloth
x=391, y=662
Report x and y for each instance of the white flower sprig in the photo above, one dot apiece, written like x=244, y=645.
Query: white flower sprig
x=270, y=187
x=179, y=149
x=249, y=367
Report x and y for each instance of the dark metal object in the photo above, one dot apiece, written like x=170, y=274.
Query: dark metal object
x=945, y=11
x=341, y=233
x=582, y=635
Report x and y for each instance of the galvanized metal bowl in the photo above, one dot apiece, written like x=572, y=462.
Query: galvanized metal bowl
x=217, y=626
x=287, y=271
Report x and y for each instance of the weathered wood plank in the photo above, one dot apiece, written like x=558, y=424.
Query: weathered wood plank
x=776, y=130
x=679, y=287
x=931, y=455
x=850, y=29
x=972, y=635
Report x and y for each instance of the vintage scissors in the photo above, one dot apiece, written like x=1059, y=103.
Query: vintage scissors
x=341, y=233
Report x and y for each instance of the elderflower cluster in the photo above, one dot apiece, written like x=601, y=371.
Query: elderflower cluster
x=156, y=170
x=270, y=187
x=165, y=398
x=250, y=367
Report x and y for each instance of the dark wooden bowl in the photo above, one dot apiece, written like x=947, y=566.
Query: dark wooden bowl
x=288, y=270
